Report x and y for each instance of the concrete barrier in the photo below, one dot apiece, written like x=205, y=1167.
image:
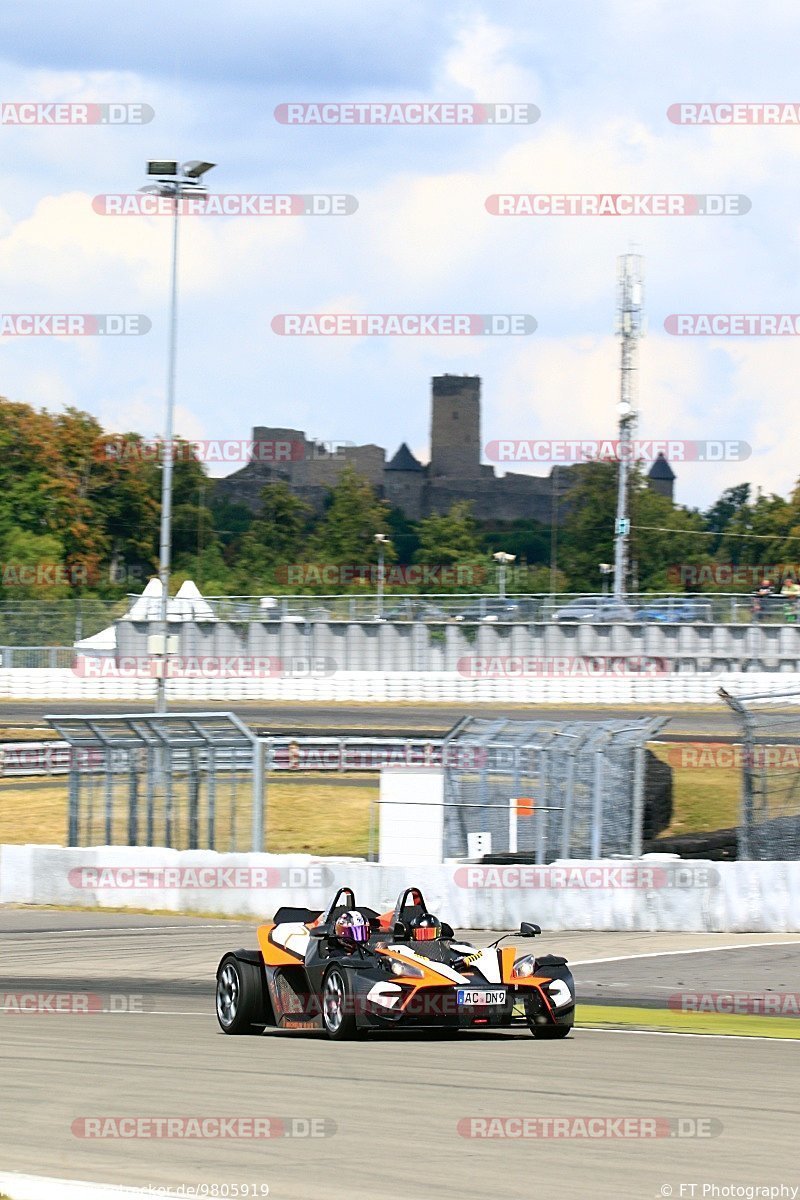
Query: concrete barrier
x=653, y=894
x=63, y=686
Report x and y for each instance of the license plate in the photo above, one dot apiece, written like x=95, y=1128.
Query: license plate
x=476, y=997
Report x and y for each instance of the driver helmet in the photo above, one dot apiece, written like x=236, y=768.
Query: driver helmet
x=426, y=928
x=352, y=926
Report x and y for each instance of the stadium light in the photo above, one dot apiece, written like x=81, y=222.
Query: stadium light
x=382, y=542
x=502, y=558
x=174, y=180
x=196, y=169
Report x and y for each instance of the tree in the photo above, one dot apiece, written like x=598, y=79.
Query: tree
x=452, y=540
x=276, y=537
x=346, y=533
x=587, y=538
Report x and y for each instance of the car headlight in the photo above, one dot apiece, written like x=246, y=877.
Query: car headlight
x=524, y=967
x=559, y=993
x=407, y=969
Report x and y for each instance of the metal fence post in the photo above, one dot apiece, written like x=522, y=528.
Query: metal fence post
x=638, y=801
x=133, y=797
x=193, y=798
x=566, y=816
x=512, y=824
x=597, y=805
x=258, y=796
x=211, y=793
x=109, y=797
x=74, y=800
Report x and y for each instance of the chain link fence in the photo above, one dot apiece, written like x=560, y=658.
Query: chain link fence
x=43, y=623
x=769, y=826
x=543, y=790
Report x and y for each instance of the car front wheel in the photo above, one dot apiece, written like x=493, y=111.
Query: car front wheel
x=240, y=997
x=338, y=1014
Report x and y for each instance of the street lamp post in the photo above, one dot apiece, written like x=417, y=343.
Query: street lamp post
x=382, y=542
x=502, y=559
x=174, y=180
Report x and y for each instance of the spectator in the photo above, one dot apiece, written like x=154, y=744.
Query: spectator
x=790, y=591
x=761, y=599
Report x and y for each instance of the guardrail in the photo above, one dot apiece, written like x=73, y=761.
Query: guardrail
x=282, y=754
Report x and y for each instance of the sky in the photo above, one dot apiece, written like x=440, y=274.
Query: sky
x=602, y=73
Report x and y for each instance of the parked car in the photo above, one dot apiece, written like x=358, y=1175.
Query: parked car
x=594, y=608
x=270, y=610
x=494, y=608
x=668, y=612
x=412, y=611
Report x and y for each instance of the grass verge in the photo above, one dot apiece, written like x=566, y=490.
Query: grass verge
x=321, y=815
x=610, y=1016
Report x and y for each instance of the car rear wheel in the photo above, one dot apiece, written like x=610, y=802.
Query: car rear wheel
x=240, y=997
x=338, y=1016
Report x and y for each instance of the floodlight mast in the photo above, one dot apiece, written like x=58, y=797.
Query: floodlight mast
x=630, y=328
x=174, y=180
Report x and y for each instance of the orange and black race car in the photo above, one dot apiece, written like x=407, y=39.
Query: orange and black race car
x=352, y=969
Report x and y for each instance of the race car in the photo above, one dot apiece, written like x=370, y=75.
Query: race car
x=350, y=970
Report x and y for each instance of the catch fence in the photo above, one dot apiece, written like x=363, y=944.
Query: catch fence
x=769, y=823
x=543, y=790
x=187, y=781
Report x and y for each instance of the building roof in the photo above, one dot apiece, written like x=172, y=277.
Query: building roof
x=404, y=461
x=661, y=469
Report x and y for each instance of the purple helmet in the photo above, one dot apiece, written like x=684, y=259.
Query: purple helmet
x=352, y=926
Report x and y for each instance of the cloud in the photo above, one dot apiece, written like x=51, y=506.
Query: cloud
x=422, y=240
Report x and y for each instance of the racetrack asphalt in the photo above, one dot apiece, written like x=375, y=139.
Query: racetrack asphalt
x=396, y=1101
x=432, y=719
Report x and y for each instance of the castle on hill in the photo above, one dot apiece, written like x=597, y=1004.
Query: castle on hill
x=454, y=472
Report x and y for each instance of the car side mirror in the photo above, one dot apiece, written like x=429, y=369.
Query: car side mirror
x=527, y=929
x=400, y=930
x=320, y=931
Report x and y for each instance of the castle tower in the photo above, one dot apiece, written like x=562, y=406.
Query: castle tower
x=456, y=426
x=661, y=478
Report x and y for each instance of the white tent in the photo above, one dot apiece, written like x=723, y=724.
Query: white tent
x=187, y=605
x=100, y=644
x=146, y=607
